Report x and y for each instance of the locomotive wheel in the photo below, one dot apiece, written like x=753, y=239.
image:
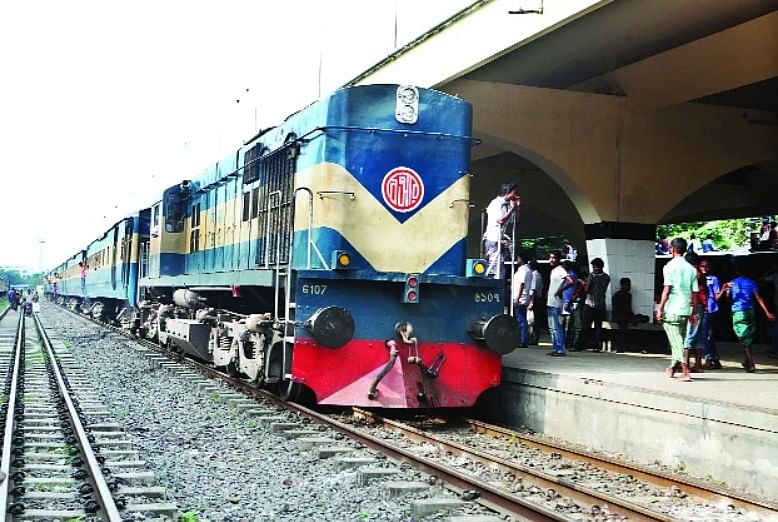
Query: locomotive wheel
x=289, y=390
x=232, y=370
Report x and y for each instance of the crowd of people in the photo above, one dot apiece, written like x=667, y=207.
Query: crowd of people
x=575, y=301
x=17, y=298
x=689, y=302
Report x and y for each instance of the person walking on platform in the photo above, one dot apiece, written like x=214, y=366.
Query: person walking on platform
x=677, y=306
x=594, y=310
x=742, y=291
x=522, y=288
x=772, y=279
x=556, y=285
x=693, y=332
x=576, y=306
x=499, y=211
x=567, y=318
x=537, y=291
x=705, y=333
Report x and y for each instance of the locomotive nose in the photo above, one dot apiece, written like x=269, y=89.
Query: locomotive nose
x=500, y=333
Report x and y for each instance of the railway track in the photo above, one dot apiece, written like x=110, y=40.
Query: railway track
x=500, y=481
x=569, y=479
x=58, y=447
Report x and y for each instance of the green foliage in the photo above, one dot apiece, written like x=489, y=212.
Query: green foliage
x=189, y=516
x=727, y=234
x=16, y=278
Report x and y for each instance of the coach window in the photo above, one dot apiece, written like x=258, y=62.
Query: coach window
x=194, y=235
x=246, y=205
x=155, y=220
x=254, y=203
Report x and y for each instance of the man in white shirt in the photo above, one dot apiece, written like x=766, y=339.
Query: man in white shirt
x=498, y=212
x=556, y=285
x=521, y=292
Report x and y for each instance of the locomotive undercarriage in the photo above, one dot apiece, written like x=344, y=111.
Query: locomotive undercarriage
x=244, y=345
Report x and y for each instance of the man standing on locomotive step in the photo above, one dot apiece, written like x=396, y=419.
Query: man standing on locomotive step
x=499, y=211
x=678, y=305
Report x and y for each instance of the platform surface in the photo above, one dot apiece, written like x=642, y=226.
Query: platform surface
x=645, y=372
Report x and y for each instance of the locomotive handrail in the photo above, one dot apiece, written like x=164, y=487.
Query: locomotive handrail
x=268, y=209
x=351, y=195
x=311, y=244
x=469, y=202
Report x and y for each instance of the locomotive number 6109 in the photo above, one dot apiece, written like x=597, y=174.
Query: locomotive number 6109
x=487, y=297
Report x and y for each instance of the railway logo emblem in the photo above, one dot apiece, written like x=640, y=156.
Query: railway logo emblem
x=402, y=189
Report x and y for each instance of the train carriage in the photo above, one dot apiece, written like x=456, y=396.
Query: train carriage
x=327, y=255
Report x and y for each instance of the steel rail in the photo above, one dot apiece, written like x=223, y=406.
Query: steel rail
x=490, y=497
x=5, y=460
x=580, y=494
x=655, y=477
x=102, y=491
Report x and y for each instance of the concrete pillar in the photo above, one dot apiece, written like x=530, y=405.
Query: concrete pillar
x=628, y=251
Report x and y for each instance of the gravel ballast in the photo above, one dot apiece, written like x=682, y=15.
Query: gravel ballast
x=215, y=460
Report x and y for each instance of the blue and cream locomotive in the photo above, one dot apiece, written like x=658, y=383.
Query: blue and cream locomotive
x=328, y=255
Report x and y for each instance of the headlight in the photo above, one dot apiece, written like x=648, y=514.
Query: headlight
x=500, y=333
x=332, y=326
x=407, y=107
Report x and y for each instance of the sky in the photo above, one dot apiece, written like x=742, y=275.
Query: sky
x=103, y=104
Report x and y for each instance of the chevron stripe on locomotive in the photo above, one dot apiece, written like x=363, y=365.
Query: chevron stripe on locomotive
x=326, y=257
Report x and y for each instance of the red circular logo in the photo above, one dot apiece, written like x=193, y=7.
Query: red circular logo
x=402, y=189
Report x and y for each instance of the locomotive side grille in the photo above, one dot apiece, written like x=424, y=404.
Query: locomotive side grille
x=275, y=192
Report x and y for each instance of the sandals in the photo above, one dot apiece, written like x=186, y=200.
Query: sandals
x=670, y=372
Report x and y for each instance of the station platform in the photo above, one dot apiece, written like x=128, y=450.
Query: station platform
x=723, y=425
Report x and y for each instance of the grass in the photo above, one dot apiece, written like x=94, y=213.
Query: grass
x=189, y=516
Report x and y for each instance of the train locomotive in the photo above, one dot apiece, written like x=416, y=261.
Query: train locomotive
x=325, y=258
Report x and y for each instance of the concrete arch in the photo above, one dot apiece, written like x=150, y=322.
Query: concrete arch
x=748, y=190
x=577, y=196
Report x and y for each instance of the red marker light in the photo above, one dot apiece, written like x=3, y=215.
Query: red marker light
x=411, y=296
x=412, y=282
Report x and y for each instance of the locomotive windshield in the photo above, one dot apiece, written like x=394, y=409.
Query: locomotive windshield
x=174, y=203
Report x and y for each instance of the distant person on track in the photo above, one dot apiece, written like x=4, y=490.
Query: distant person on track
x=743, y=291
x=678, y=304
x=499, y=211
x=522, y=292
